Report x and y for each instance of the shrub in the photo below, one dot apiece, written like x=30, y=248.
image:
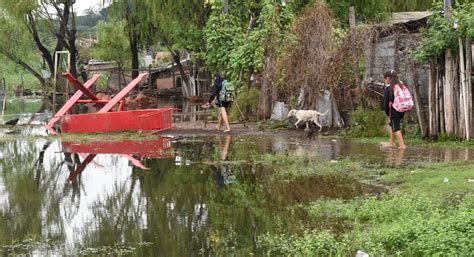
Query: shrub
x=367, y=122
x=246, y=101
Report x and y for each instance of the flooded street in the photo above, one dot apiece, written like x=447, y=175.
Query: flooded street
x=171, y=195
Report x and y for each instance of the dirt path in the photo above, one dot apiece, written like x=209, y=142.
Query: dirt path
x=200, y=129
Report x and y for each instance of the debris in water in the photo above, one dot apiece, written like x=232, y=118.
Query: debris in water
x=361, y=254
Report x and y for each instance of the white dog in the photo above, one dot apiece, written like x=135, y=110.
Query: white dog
x=307, y=116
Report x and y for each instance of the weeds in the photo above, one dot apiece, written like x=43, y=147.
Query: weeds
x=422, y=214
x=367, y=123
x=392, y=225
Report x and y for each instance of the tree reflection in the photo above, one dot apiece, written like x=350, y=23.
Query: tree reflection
x=29, y=200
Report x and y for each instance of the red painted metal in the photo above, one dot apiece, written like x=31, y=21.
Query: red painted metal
x=105, y=121
x=148, y=119
x=152, y=148
x=122, y=93
x=68, y=105
x=76, y=84
x=103, y=102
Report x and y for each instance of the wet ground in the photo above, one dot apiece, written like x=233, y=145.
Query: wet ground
x=189, y=191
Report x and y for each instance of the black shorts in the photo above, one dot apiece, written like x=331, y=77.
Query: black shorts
x=224, y=104
x=395, y=123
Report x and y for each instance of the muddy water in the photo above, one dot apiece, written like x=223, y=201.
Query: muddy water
x=170, y=196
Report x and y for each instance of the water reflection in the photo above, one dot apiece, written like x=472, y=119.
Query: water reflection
x=130, y=149
x=199, y=196
x=223, y=169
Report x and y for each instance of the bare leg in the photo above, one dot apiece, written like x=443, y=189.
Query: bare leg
x=219, y=120
x=399, y=136
x=392, y=137
x=225, y=119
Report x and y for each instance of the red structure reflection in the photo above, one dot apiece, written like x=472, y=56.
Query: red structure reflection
x=153, y=148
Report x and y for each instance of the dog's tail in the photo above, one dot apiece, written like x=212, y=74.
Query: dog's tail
x=322, y=114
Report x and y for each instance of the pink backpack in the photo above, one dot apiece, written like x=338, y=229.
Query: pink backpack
x=403, y=101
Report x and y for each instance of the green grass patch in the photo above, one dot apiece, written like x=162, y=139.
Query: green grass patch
x=428, y=211
x=411, y=141
x=452, y=177
x=18, y=106
x=272, y=125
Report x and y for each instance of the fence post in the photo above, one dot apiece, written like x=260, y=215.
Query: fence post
x=4, y=97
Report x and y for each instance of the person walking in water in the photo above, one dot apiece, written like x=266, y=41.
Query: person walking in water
x=391, y=78
x=221, y=103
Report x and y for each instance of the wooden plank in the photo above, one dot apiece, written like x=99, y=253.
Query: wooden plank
x=122, y=93
x=68, y=105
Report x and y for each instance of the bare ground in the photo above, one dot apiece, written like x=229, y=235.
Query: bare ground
x=200, y=128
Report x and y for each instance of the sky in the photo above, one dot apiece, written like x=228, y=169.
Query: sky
x=82, y=5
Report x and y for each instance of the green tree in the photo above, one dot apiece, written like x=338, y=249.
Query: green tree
x=43, y=20
x=112, y=43
x=137, y=26
x=178, y=26
x=17, y=47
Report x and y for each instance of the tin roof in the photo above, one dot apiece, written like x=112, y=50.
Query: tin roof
x=404, y=17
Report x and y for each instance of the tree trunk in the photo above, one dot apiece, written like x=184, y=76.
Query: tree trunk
x=440, y=95
x=448, y=94
x=264, y=105
x=355, y=63
x=47, y=57
x=42, y=81
x=470, y=113
x=456, y=104
x=72, y=46
x=433, y=102
x=463, y=91
x=184, y=78
x=419, y=110
x=134, y=50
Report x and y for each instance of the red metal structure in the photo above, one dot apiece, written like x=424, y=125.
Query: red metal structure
x=106, y=120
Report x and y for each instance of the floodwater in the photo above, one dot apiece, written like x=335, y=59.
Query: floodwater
x=167, y=196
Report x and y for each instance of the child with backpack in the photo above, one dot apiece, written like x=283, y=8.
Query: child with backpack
x=397, y=101
x=222, y=92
